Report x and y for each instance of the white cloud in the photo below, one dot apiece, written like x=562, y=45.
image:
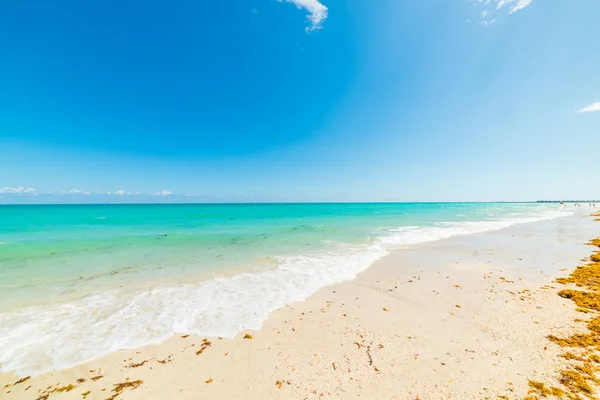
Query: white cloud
x=485, y=23
x=75, y=192
x=521, y=4
x=122, y=193
x=515, y=5
x=492, y=7
x=21, y=190
x=17, y=190
x=317, y=12
x=591, y=108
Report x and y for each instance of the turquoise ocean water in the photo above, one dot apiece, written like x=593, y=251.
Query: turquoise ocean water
x=79, y=281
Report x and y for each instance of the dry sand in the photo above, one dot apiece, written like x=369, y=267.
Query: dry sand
x=462, y=318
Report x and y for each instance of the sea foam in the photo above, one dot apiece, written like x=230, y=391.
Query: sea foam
x=408, y=236
x=39, y=339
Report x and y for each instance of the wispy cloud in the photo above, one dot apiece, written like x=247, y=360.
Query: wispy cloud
x=17, y=190
x=75, y=192
x=122, y=193
x=317, y=12
x=493, y=7
x=486, y=22
x=591, y=108
x=515, y=5
x=22, y=190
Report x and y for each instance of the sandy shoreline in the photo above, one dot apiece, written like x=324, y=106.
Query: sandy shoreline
x=462, y=318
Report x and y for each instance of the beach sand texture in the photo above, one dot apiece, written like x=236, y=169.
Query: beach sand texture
x=462, y=318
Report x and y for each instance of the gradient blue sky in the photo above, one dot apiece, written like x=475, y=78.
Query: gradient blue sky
x=260, y=100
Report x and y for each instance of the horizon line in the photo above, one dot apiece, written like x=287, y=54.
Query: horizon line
x=303, y=202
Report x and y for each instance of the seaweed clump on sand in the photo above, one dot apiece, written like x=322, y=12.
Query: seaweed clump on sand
x=119, y=387
x=579, y=379
x=66, y=388
x=137, y=365
x=541, y=390
x=25, y=379
x=58, y=389
x=205, y=344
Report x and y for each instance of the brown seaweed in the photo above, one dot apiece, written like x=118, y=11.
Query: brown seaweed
x=579, y=378
x=205, y=344
x=22, y=380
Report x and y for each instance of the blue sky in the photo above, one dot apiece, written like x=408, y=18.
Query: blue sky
x=265, y=100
